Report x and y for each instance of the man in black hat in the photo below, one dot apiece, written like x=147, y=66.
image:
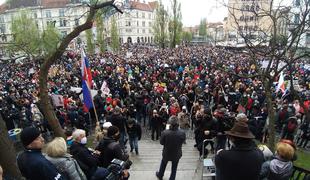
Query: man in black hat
x=244, y=160
x=32, y=164
x=172, y=141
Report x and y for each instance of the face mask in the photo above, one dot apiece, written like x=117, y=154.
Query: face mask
x=84, y=140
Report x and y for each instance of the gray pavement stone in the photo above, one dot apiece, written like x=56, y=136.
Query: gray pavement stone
x=147, y=163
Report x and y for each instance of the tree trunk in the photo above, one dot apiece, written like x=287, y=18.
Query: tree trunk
x=272, y=118
x=8, y=154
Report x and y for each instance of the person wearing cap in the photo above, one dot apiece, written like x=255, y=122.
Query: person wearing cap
x=110, y=148
x=31, y=163
x=172, y=140
x=244, y=160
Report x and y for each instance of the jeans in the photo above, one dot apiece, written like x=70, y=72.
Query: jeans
x=122, y=140
x=221, y=142
x=174, y=168
x=133, y=141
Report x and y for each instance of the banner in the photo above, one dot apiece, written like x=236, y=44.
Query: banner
x=58, y=100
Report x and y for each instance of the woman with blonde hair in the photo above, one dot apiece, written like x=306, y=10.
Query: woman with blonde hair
x=281, y=167
x=56, y=152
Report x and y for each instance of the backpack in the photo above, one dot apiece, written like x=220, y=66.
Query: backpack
x=291, y=126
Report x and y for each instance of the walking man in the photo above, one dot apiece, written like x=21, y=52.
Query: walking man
x=172, y=140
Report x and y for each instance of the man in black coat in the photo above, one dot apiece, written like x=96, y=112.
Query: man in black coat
x=85, y=158
x=172, y=141
x=118, y=120
x=244, y=160
x=31, y=163
x=110, y=148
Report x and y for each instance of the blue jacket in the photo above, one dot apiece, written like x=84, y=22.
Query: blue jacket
x=34, y=166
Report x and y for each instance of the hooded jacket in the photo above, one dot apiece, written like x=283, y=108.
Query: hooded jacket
x=110, y=149
x=277, y=169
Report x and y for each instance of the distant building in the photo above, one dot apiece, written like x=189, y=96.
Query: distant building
x=65, y=15
x=244, y=18
x=299, y=7
x=136, y=24
x=215, y=31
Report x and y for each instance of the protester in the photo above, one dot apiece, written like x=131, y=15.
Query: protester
x=56, y=151
x=86, y=159
x=134, y=133
x=281, y=167
x=231, y=164
x=32, y=159
x=110, y=148
x=1, y=173
x=172, y=140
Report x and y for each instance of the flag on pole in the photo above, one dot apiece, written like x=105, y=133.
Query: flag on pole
x=86, y=82
x=86, y=69
x=281, y=85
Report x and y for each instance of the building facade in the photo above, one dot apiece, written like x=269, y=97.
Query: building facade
x=65, y=15
x=300, y=10
x=135, y=25
x=245, y=18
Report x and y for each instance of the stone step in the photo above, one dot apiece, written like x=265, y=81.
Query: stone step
x=148, y=161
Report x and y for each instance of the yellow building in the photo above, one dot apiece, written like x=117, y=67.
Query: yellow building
x=247, y=18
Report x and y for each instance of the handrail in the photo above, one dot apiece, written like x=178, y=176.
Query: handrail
x=300, y=174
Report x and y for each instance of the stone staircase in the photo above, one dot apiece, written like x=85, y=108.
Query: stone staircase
x=148, y=161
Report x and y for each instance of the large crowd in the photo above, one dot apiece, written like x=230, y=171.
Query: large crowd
x=200, y=88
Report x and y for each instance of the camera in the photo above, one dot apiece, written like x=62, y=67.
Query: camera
x=116, y=169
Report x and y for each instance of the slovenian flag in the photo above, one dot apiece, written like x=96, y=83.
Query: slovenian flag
x=86, y=82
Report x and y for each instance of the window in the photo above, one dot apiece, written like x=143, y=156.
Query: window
x=143, y=31
x=1, y=19
x=61, y=12
x=308, y=38
x=296, y=18
x=2, y=28
x=241, y=18
x=128, y=23
x=150, y=31
x=143, y=15
x=138, y=31
x=76, y=22
x=138, y=23
x=150, y=16
x=143, y=23
x=35, y=15
x=137, y=14
x=50, y=22
x=48, y=14
x=128, y=30
x=63, y=23
x=150, y=24
x=63, y=34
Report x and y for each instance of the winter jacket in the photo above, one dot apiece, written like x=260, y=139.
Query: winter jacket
x=172, y=141
x=34, y=166
x=68, y=167
x=276, y=169
x=134, y=131
x=110, y=149
x=184, y=119
x=87, y=162
x=118, y=120
x=242, y=162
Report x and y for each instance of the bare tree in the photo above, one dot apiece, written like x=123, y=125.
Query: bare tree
x=45, y=104
x=265, y=40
